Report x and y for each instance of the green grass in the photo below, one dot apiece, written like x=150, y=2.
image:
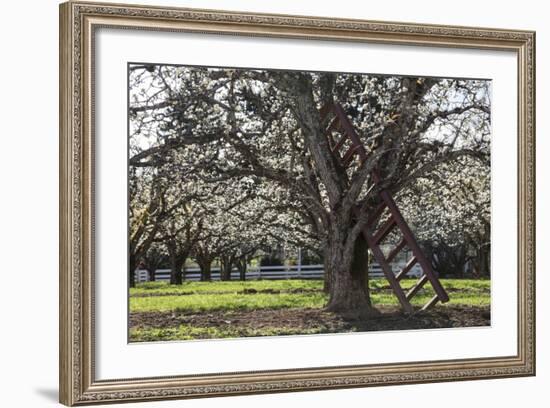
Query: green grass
x=164, y=288
x=226, y=301
x=194, y=297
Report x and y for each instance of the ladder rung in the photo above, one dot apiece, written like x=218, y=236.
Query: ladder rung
x=376, y=213
x=348, y=129
x=384, y=230
x=431, y=303
x=421, y=282
x=340, y=143
x=349, y=154
x=393, y=253
x=406, y=269
x=397, y=289
x=333, y=125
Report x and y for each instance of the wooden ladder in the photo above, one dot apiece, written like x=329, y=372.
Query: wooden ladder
x=342, y=125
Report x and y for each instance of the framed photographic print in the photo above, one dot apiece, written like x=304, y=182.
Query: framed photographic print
x=256, y=203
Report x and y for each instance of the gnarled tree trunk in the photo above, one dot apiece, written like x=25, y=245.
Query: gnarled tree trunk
x=481, y=261
x=326, y=268
x=205, y=264
x=132, y=263
x=151, y=273
x=348, y=285
x=177, y=257
x=226, y=265
x=176, y=270
x=242, y=267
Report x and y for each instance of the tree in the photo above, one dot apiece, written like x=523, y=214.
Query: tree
x=180, y=233
x=147, y=210
x=155, y=257
x=266, y=125
x=455, y=222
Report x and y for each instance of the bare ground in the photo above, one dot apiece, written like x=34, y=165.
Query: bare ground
x=317, y=320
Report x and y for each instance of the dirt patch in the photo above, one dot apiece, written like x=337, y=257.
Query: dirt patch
x=316, y=320
x=388, y=288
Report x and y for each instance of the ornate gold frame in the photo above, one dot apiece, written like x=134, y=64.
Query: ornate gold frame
x=78, y=21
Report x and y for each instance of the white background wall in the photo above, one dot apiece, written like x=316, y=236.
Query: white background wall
x=28, y=203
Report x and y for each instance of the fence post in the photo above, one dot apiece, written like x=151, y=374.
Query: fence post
x=299, y=262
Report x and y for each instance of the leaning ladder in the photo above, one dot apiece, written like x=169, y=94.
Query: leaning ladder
x=342, y=125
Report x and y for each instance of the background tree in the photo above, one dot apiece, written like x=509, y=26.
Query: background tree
x=455, y=222
x=155, y=258
x=147, y=210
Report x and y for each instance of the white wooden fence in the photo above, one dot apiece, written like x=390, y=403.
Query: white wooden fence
x=269, y=272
